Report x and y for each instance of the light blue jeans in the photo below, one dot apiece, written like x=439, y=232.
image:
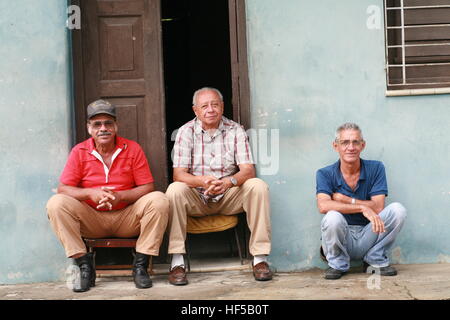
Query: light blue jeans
x=342, y=242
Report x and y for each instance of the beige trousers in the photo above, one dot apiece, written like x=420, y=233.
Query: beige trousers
x=72, y=219
x=251, y=197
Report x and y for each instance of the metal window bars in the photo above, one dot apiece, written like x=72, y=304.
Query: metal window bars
x=402, y=10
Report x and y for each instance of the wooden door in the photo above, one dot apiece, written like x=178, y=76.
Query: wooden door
x=117, y=57
x=239, y=63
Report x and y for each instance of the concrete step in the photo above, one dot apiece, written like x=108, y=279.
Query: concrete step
x=197, y=265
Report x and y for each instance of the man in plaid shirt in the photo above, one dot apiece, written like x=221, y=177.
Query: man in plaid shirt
x=214, y=173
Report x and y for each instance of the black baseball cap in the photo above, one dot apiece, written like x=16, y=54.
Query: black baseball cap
x=101, y=107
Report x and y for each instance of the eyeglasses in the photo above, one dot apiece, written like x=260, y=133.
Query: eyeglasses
x=98, y=124
x=346, y=143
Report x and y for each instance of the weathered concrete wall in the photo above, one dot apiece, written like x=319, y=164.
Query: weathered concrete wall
x=35, y=135
x=313, y=66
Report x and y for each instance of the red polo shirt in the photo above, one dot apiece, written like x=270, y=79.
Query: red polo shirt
x=85, y=168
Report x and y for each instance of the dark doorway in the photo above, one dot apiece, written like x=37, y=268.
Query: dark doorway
x=196, y=53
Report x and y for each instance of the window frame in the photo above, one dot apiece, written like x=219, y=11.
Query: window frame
x=406, y=20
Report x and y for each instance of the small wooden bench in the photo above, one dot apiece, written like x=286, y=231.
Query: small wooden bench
x=91, y=244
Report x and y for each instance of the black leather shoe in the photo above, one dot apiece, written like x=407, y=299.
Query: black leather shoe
x=87, y=273
x=384, y=271
x=333, y=274
x=140, y=275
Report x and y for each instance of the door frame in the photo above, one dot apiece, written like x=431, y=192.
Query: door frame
x=79, y=100
x=239, y=71
x=239, y=63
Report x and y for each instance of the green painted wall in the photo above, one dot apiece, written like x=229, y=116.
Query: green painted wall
x=35, y=135
x=314, y=65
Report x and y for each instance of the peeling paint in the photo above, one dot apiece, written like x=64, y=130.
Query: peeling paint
x=397, y=255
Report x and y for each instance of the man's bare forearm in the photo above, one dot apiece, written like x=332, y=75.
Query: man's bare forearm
x=369, y=203
x=80, y=194
x=191, y=180
x=333, y=205
x=376, y=206
x=181, y=175
x=244, y=174
x=134, y=194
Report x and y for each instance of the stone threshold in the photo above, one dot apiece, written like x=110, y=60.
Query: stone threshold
x=197, y=265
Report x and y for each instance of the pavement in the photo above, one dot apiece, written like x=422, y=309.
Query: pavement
x=232, y=281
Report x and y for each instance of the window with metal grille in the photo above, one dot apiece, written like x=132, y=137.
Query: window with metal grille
x=417, y=44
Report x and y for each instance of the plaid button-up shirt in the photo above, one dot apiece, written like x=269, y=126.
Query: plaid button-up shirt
x=218, y=155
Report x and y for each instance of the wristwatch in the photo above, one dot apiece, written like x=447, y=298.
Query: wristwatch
x=353, y=200
x=233, y=181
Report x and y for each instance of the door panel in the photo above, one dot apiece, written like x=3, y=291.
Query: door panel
x=129, y=110
x=121, y=62
x=121, y=48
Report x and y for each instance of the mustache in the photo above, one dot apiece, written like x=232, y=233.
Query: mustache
x=104, y=134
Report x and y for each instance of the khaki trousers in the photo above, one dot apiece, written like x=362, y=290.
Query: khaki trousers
x=251, y=197
x=72, y=219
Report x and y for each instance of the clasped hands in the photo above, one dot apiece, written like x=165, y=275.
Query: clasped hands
x=214, y=186
x=368, y=212
x=105, y=197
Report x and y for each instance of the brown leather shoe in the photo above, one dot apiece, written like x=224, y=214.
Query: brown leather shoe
x=262, y=272
x=177, y=276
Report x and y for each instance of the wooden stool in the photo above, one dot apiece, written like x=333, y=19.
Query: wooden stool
x=91, y=244
x=212, y=223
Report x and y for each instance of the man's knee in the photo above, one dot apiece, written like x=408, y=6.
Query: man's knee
x=397, y=211
x=333, y=220
x=56, y=203
x=257, y=185
x=176, y=189
x=158, y=201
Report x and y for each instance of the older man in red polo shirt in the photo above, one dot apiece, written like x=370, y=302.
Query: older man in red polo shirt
x=106, y=190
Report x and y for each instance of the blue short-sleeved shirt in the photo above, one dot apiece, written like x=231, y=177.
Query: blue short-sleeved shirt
x=372, y=182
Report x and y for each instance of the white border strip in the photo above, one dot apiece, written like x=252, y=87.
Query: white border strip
x=417, y=92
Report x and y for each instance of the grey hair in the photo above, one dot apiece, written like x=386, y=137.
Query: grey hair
x=194, y=98
x=347, y=126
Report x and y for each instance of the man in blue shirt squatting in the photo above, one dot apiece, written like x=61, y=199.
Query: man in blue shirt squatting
x=351, y=193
